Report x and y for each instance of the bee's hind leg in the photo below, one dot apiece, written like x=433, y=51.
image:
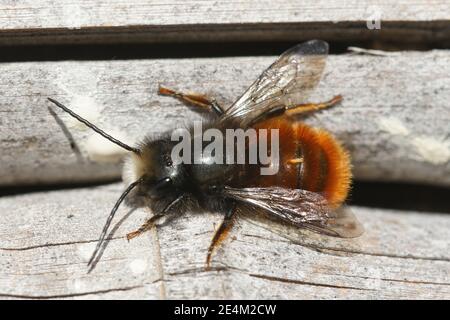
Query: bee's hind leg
x=312, y=107
x=282, y=110
x=198, y=100
x=221, y=233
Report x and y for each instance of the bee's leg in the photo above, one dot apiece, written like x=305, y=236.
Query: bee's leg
x=151, y=222
x=145, y=227
x=198, y=100
x=312, y=107
x=221, y=233
x=299, y=109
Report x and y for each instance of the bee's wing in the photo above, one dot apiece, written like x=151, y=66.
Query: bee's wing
x=288, y=81
x=299, y=207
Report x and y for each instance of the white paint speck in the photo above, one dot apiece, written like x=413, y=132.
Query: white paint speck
x=393, y=126
x=432, y=150
x=100, y=149
x=87, y=108
x=138, y=266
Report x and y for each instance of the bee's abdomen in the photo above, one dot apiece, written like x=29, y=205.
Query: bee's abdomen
x=326, y=164
x=320, y=162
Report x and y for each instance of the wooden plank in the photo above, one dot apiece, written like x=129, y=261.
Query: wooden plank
x=81, y=21
x=46, y=241
x=394, y=118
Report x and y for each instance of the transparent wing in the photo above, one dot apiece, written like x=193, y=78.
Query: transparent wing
x=302, y=208
x=288, y=81
x=278, y=228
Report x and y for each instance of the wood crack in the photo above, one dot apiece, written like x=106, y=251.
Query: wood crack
x=55, y=244
x=68, y=295
x=203, y=270
x=395, y=280
x=266, y=277
x=292, y=281
x=375, y=254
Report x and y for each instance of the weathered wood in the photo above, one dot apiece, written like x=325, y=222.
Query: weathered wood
x=46, y=239
x=68, y=21
x=394, y=118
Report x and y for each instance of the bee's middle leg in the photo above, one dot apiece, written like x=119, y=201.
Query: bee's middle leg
x=221, y=233
x=198, y=100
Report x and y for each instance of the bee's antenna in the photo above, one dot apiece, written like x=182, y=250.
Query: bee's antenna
x=93, y=127
x=111, y=216
x=158, y=184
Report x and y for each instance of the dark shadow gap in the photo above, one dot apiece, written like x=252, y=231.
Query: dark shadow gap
x=400, y=196
x=20, y=190
x=214, y=40
x=82, y=52
x=150, y=51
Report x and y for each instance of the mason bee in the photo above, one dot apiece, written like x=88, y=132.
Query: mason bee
x=313, y=175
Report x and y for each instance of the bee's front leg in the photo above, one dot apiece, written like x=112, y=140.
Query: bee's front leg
x=151, y=222
x=145, y=227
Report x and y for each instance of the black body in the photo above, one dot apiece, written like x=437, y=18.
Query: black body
x=199, y=182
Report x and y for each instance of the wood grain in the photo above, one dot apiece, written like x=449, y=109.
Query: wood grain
x=82, y=21
x=394, y=118
x=46, y=239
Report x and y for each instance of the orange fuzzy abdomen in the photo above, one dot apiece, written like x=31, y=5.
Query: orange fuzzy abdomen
x=325, y=167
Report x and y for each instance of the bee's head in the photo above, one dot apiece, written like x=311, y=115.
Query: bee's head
x=148, y=171
x=154, y=164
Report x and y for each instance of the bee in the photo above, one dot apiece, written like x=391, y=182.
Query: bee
x=314, y=176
